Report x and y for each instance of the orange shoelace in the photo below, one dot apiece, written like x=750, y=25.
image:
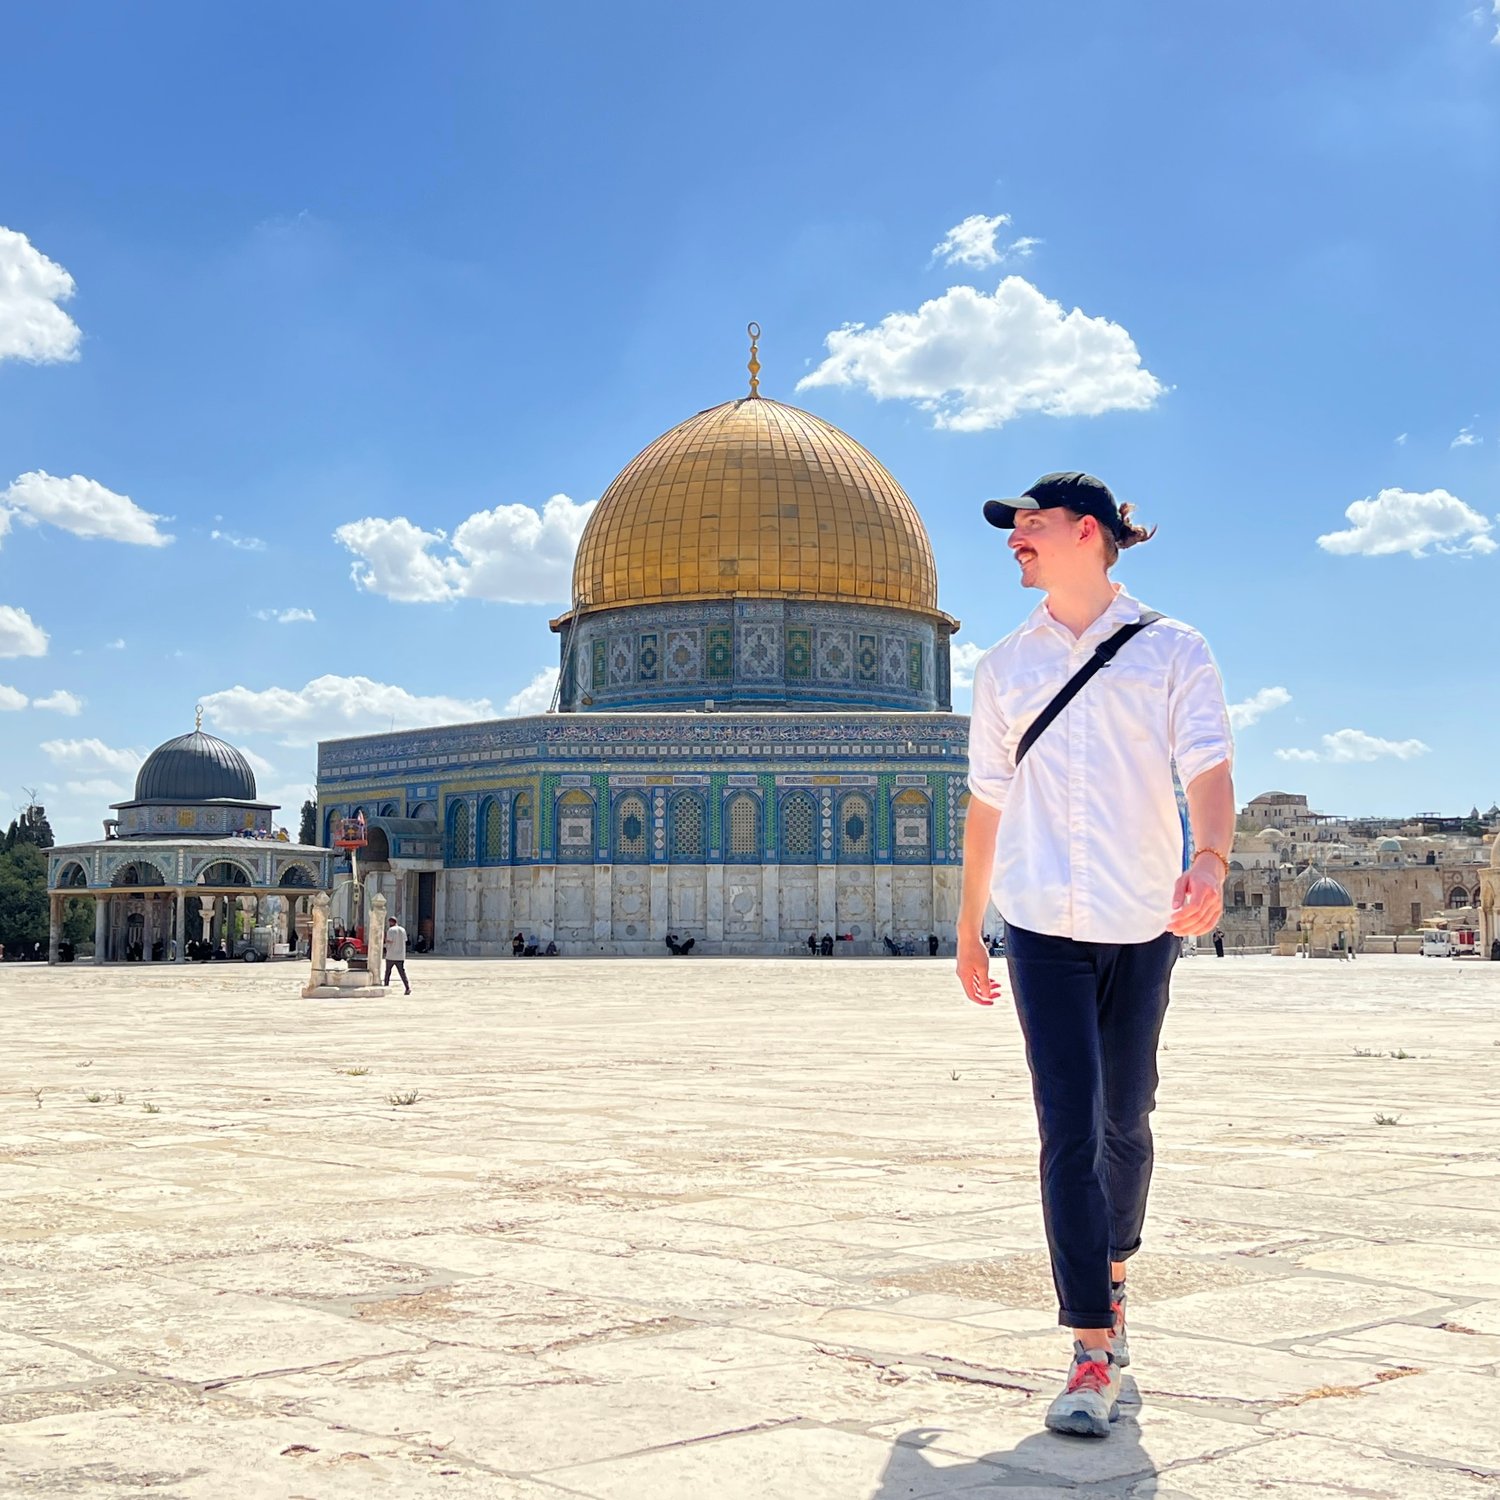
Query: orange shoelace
x=1089, y=1375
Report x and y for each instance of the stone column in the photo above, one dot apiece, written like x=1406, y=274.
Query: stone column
x=101, y=929
x=440, y=909
x=661, y=904
x=884, y=904
x=319, y=936
x=770, y=906
x=375, y=939
x=713, y=905
x=604, y=886
x=148, y=930
x=54, y=926
x=181, y=928
x=828, y=909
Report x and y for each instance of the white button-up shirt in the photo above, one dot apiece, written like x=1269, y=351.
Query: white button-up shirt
x=1090, y=843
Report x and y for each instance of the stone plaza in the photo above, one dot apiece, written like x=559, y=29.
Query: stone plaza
x=729, y=1228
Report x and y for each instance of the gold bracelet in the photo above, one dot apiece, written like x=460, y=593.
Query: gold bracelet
x=1207, y=850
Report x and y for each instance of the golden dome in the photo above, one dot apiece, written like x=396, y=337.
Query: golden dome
x=754, y=498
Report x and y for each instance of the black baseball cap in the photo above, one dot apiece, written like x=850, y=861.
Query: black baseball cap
x=1067, y=491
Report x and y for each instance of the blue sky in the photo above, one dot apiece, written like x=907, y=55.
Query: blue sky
x=311, y=285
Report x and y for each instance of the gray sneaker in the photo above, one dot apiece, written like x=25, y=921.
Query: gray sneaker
x=1091, y=1399
x=1120, y=1343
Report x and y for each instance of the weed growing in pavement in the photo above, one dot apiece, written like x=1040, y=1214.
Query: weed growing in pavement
x=1364, y=1052
x=119, y=1097
x=150, y=1108
x=1401, y=1054
x=37, y=1095
x=352, y=1072
x=410, y=1096
x=94, y=1098
x=1381, y=1119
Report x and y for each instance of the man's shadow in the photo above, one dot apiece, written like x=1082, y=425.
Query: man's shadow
x=1042, y=1460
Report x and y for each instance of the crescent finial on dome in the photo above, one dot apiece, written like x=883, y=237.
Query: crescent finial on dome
x=753, y=329
x=198, y=718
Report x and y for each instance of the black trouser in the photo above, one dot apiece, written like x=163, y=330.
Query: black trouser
x=399, y=965
x=1091, y=1014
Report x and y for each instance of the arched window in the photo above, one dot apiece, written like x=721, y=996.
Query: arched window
x=388, y=810
x=225, y=872
x=423, y=810
x=141, y=872
x=685, y=821
x=575, y=828
x=72, y=876
x=298, y=877
x=743, y=817
x=911, y=827
x=630, y=828
x=460, y=835
x=799, y=829
x=491, y=831
x=854, y=833
x=331, y=820
x=521, y=824
x=1458, y=896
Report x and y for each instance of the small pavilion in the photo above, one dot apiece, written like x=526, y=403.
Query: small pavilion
x=192, y=858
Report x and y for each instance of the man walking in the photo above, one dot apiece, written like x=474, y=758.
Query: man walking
x=1074, y=833
x=395, y=952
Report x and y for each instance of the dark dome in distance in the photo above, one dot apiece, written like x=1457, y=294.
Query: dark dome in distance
x=195, y=767
x=1327, y=892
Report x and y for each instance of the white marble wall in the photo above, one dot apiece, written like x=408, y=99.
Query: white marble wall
x=725, y=908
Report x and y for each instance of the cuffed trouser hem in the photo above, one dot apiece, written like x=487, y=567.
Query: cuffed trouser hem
x=1068, y=1319
x=1125, y=1254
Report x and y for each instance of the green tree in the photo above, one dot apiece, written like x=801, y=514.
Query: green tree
x=23, y=897
x=308, y=832
x=31, y=828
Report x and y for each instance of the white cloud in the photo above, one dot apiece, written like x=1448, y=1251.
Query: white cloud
x=1401, y=439
x=286, y=616
x=61, y=702
x=963, y=657
x=1496, y=38
x=1466, y=439
x=512, y=554
x=971, y=242
x=536, y=696
x=332, y=707
x=92, y=757
x=240, y=543
x=1257, y=706
x=976, y=361
x=1406, y=521
x=100, y=789
x=20, y=635
x=12, y=700
x=1347, y=745
x=83, y=507
x=32, y=326
x=118, y=644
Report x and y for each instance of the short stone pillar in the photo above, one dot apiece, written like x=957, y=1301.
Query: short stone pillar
x=54, y=927
x=319, y=937
x=375, y=939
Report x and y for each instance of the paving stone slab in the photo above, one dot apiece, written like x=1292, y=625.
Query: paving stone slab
x=1447, y=1271
x=1288, y=1308
x=163, y=1327
x=1444, y=1416
x=1416, y=1344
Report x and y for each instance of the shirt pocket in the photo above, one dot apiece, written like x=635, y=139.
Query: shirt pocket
x=1132, y=699
x=1023, y=695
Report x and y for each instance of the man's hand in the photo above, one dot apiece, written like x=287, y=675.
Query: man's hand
x=974, y=970
x=1197, y=900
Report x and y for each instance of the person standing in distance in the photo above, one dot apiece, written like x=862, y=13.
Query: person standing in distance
x=395, y=952
x=1074, y=833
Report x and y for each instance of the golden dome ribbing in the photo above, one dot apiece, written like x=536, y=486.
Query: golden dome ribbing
x=758, y=499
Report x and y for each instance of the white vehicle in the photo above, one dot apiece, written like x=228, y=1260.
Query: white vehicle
x=1437, y=942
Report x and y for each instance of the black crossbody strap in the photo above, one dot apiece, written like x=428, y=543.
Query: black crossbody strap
x=1104, y=653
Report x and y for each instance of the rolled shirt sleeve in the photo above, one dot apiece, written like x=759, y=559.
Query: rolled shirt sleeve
x=1201, y=737
x=991, y=769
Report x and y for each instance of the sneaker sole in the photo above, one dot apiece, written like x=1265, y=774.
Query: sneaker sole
x=1081, y=1424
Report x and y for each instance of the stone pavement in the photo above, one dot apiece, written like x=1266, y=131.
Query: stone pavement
x=703, y=1228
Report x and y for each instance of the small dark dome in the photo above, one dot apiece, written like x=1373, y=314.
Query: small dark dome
x=195, y=767
x=1327, y=892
